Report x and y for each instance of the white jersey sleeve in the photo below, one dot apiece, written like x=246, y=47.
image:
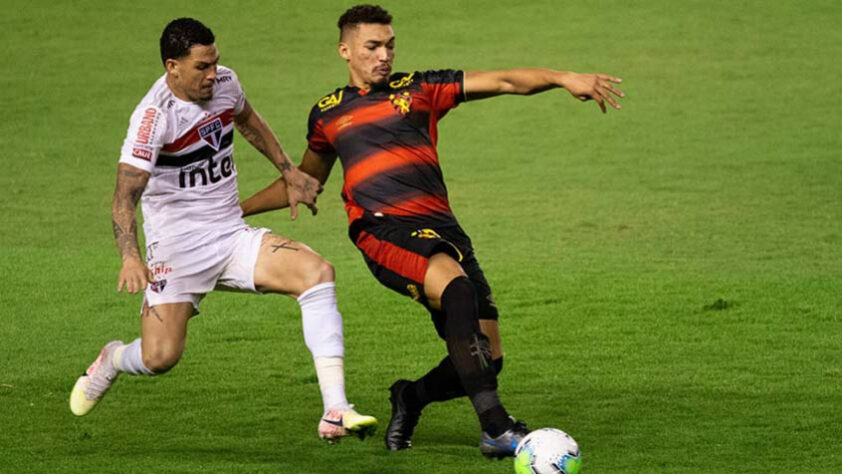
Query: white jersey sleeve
x=238, y=93
x=146, y=135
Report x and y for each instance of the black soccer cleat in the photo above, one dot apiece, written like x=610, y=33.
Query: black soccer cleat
x=402, y=424
x=505, y=444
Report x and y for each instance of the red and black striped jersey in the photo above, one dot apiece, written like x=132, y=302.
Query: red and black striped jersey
x=386, y=141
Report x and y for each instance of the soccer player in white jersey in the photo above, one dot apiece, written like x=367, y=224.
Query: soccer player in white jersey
x=177, y=159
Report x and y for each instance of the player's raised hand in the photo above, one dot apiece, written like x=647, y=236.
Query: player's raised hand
x=134, y=276
x=597, y=87
x=301, y=189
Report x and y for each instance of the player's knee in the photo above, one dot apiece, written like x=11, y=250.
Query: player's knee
x=325, y=271
x=162, y=357
x=442, y=270
x=317, y=271
x=460, y=307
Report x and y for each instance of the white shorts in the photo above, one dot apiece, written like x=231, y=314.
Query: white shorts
x=188, y=267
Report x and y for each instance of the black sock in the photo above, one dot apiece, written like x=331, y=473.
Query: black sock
x=470, y=353
x=495, y=421
x=440, y=384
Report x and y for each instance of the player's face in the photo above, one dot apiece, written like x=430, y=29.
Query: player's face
x=369, y=50
x=194, y=75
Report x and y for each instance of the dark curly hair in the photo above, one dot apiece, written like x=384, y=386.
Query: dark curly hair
x=180, y=35
x=363, y=14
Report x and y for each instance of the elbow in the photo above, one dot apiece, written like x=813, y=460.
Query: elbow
x=510, y=87
x=514, y=88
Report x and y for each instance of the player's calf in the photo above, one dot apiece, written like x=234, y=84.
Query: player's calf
x=322, y=324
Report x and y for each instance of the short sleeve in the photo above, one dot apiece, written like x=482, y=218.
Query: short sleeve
x=316, y=137
x=145, y=137
x=239, y=96
x=234, y=88
x=446, y=88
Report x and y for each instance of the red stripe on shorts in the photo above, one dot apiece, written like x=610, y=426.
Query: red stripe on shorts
x=401, y=261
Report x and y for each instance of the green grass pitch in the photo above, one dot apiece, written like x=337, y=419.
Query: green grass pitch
x=668, y=275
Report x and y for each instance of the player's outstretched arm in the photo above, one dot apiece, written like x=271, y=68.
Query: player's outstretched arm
x=131, y=181
x=300, y=188
x=597, y=87
x=274, y=196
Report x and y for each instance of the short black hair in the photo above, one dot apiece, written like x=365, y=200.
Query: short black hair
x=363, y=14
x=180, y=35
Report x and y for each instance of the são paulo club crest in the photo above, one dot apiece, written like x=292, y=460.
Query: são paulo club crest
x=158, y=286
x=211, y=133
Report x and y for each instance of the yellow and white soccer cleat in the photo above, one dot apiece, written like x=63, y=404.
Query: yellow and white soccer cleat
x=92, y=385
x=340, y=422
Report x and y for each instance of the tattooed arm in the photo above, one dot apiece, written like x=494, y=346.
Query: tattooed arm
x=130, y=184
x=300, y=188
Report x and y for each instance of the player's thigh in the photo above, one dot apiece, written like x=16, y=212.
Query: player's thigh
x=442, y=268
x=163, y=332
x=289, y=267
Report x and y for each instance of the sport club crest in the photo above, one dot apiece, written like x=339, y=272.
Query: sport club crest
x=211, y=133
x=401, y=102
x=158, y=286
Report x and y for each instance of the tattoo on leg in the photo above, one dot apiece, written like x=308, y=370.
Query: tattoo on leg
x=147, y=310
x=284, y=245
x=481, y=350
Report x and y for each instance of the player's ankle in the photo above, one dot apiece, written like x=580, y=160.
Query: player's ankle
x=495, y=421
x=413, y=396
x=117, y=358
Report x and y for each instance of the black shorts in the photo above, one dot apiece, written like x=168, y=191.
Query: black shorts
x=397, y=253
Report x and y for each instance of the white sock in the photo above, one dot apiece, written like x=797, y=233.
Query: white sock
x=331, y=374
x=322, y=325
x=321, y=321
x=129, y=359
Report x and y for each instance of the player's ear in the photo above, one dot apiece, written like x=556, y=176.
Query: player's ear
x=171, y=66
x=344, y=51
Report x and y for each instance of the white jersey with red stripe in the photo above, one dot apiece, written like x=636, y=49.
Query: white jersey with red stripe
x=187, y=147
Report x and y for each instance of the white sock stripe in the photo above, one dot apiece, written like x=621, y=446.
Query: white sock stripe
x=331, y=374
x=117, y=358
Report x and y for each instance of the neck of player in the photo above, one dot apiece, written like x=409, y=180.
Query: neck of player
x=176, y=91
x=358, y=82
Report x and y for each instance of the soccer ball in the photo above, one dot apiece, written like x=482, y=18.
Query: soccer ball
x=548, y=451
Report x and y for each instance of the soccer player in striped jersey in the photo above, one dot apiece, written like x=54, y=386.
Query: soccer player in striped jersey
x=177, y=159
x=383, y=128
